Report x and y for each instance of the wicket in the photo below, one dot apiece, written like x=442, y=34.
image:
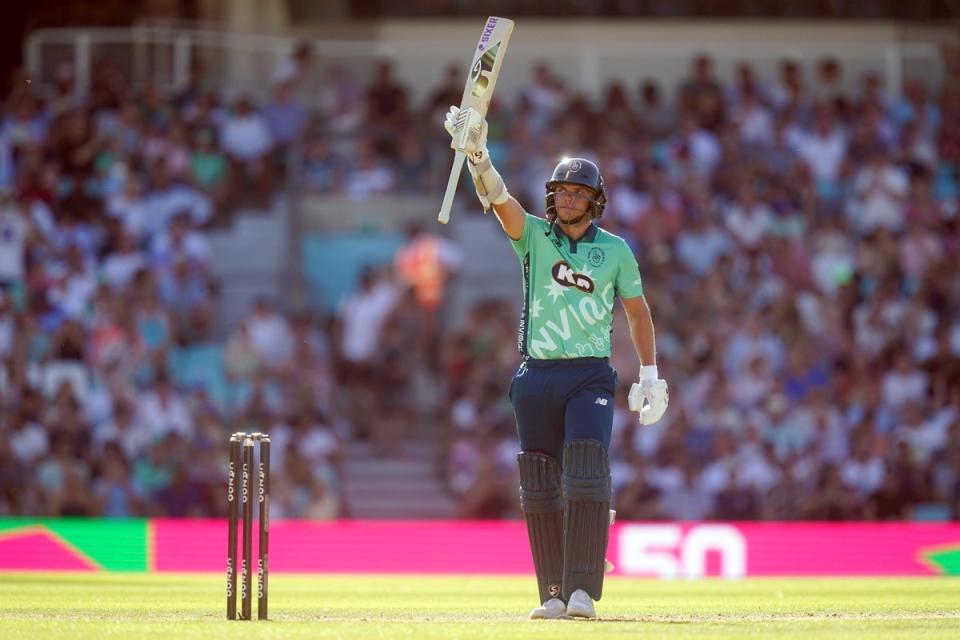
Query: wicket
x=241, y=486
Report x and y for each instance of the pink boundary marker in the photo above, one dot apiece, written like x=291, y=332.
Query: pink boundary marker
x=454, y=547
x=33, y=550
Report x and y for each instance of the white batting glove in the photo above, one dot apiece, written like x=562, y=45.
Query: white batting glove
x=652, y=390
x=490, y=187
x=450, y=120
x=455, y=120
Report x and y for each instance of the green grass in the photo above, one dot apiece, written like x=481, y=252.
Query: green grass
x=106, y=605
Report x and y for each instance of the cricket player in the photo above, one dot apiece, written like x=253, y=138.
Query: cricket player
x=562, y=394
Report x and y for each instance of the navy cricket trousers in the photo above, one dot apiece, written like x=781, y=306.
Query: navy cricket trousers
x=559, y=400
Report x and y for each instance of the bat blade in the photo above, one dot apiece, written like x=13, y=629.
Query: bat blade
x=484, y=70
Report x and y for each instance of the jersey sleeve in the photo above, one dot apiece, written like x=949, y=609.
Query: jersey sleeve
x=628, y=284
x=522, y=245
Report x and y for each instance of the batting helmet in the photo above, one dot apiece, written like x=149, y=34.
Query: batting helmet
x=577, y=171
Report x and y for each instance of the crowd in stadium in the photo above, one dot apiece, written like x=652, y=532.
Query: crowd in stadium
x=798, y=243
x=108, y=307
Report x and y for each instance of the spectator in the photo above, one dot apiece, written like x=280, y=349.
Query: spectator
x=115, y=494
x=865, y=472
x=545, y=96
x=168, y=199
x=736, y=502
x=701, y=245
x=75, y=284
x=830, y=500
x=284, y=116
x=487, y=498
x=657, y=118
x=179, y=243
x=425, y=263
x=186, y=292
x=638, y=500
x=904, y=383
x=684, y=501
x=362, y=317
x=695, y=151
x=245, y=136
x=753, y=121
x=15, y=232
x=881, y=190
x=748, y=220
x=181, y=497
x=294, y=69
x=322, y=170
x=28, y=440
x=209, y=169
x=823, y=149
x=369, y=175
x=129, y=207
x=701, y=95
x=828, y=88
x=120, y=267
x=241, y=360
x=162, y=411
x=270, y=336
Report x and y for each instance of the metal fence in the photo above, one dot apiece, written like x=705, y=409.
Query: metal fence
x=237, y=62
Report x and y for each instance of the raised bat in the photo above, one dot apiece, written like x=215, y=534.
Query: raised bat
x=487, y=60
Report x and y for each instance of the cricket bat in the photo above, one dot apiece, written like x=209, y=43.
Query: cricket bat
x=487, y=60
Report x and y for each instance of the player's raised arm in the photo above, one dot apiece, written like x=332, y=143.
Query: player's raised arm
x=490, y=186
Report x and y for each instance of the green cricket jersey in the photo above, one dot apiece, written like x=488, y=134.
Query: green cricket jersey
x=569, y=288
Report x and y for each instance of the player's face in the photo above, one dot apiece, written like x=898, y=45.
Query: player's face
x=572, y=200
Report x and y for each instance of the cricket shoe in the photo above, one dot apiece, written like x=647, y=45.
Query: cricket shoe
x=552, y=609
x=581, y=605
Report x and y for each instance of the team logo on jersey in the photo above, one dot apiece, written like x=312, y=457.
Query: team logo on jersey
x=596, y=256
x=567, y=277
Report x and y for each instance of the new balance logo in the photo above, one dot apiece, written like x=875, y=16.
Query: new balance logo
x=601, y=401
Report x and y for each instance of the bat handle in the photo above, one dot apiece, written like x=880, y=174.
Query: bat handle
x=466, y=128
x=452, y=182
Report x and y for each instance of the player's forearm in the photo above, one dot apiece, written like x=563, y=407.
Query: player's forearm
x=649, y=397
x=642, y=334
x=492, y=192
x=511, y=217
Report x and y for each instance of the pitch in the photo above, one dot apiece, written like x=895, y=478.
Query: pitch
x=45, y=605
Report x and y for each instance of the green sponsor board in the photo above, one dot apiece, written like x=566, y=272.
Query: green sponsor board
x=109, y=544
x=946, y=560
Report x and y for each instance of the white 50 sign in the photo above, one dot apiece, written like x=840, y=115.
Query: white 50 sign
x=664, y=551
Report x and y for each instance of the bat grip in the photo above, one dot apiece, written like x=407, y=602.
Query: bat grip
x=466, y=135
